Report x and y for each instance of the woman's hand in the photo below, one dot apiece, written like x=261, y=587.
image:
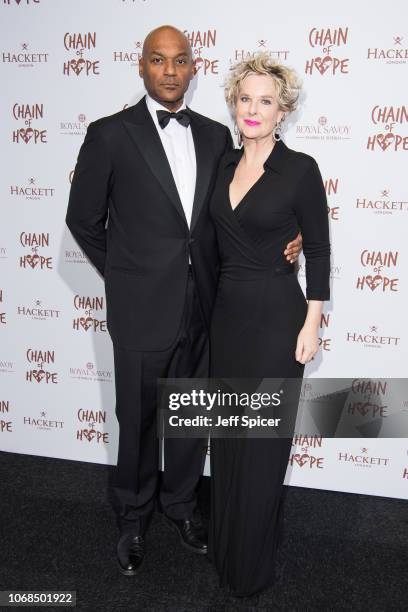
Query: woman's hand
x=307, y=343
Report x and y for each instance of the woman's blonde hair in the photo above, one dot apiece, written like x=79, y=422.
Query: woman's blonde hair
x=286, y=80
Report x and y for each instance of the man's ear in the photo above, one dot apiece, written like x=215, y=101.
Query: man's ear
x=141, y=67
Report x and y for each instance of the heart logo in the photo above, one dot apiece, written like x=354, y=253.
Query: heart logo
x=373, y=282
x=301, y=459
x=364, y=408
x=26, y=134
x=385, y=140
x=323, y=63
x=38, y=375
x=33, y=259
x=86, y=322
x=89, y=434
x=77, y=65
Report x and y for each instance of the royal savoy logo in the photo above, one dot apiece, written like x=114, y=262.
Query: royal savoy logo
x=262, y=46
x=42, y=422
x=366, y=398
x=362, y=458
x=382, y=204
x=202, y=44
x=92, y=433
x=38, y=312
x=75, y=256
x=88, y=306
x=131, y=58
x=389, y=120
x=383, y=266
x=322, y=129
x=30, y=133
x=331, y=42
x=35, y=260
x=32, y=191
x=395, y=54
x=305, y=456
x=81, y=44
x=41, y=366
x=331, y=186
x=24, y=58
x=90, y=373
x=6, y=366
x=372, y=339
x=2, y=314
x=74, y=128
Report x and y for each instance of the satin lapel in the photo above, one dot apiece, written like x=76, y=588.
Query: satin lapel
x=204, y=167
x=144, y=135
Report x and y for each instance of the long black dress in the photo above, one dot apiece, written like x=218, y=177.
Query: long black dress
x=259, y=311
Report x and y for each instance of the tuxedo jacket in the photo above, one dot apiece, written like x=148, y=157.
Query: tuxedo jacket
x=125, y=213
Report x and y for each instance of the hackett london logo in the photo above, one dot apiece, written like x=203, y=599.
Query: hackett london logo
x=384, y=203
x=330, y=41
x=131, y=58
x=389, y=119
x=29, y=134
x=87, y=320
x=35, y=260
x=366, y=398
x=261, y=46
x=38, y=312
x=81, y=43
x=24, y=58
x=323, y=129
x=42, y=422
x=362, y=458
x=331, y=186
x=90, y=433
x=304, y=456
x=41, y=359
x=32, y=191
x=202, y=43
x=372, y=338
x=383, y=266
x=74, y=128
x=395, y=54
x=89, y=372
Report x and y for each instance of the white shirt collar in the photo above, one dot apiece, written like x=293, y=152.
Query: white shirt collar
x=154, y=106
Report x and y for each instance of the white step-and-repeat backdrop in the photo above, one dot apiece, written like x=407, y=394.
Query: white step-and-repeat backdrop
x=65, y=63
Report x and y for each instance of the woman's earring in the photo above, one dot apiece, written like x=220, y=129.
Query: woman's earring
x=238, y=134
x=277, y=130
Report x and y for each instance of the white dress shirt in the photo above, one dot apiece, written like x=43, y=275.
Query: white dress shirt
x=178, y=144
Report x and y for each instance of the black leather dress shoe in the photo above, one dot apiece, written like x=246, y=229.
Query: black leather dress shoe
x=192, y=533
x=130, y=553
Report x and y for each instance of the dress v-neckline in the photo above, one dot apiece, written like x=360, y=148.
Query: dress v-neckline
x=234, y=208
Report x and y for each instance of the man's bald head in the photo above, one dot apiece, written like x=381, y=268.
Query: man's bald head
x=166, y=66
x=165, y=33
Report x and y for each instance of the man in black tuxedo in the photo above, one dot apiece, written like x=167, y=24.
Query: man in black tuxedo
x=138, y=208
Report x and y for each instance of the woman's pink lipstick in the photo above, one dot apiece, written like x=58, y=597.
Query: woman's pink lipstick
x=251, y=122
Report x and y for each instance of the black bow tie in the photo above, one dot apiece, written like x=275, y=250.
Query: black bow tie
x=183, y=117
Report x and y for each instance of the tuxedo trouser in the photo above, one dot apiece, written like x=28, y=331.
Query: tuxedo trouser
x=136, y=479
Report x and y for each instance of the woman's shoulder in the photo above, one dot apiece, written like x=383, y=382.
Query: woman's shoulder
x=300, y=158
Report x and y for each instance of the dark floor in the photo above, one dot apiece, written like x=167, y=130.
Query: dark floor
x=341, y=551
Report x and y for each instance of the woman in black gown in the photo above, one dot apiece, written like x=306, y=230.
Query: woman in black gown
x=262, y=325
